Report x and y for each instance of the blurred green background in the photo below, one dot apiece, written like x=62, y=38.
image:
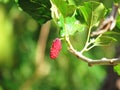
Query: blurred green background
x=25, y=66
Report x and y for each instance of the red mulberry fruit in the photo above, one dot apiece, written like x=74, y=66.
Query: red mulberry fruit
x=55, y=48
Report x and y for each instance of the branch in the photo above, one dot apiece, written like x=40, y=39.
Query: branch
x=103, y=61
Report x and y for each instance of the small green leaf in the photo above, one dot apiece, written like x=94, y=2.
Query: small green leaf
x=38, y=9
x=104, y=40
x=117, y=69
x=70, y=25
x=112, y=33
x=115, y=35
x=108, y=38
x=92, y=12
x=64, y=8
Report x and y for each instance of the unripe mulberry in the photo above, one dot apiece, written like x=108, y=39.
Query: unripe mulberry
x=55, y=48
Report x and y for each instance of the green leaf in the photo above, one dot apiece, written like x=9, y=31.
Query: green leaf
x=92, y=12
x=112, y=33
x=64, y=8
x=117, y=69
x=38, y=9
x=115, y=35
x=118, y=22
x=104, y=40
x=70, y=25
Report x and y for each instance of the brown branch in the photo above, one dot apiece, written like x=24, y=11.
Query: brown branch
x=103, y=61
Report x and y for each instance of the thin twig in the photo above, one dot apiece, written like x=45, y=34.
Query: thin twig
x=103, y=61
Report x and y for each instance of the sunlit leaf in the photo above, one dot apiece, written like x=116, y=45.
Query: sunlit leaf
x=64, y=8
x=70, y=25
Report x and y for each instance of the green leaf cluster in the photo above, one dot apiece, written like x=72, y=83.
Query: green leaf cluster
x=70, y=20
x=38, y=9
x=66, y=21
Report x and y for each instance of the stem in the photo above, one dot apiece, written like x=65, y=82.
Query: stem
x=66, y=32
x=89, y=32
x=103, y=61
x=90, y=47
x=87, y=41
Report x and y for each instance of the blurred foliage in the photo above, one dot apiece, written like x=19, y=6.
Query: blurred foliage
x=19, y=34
